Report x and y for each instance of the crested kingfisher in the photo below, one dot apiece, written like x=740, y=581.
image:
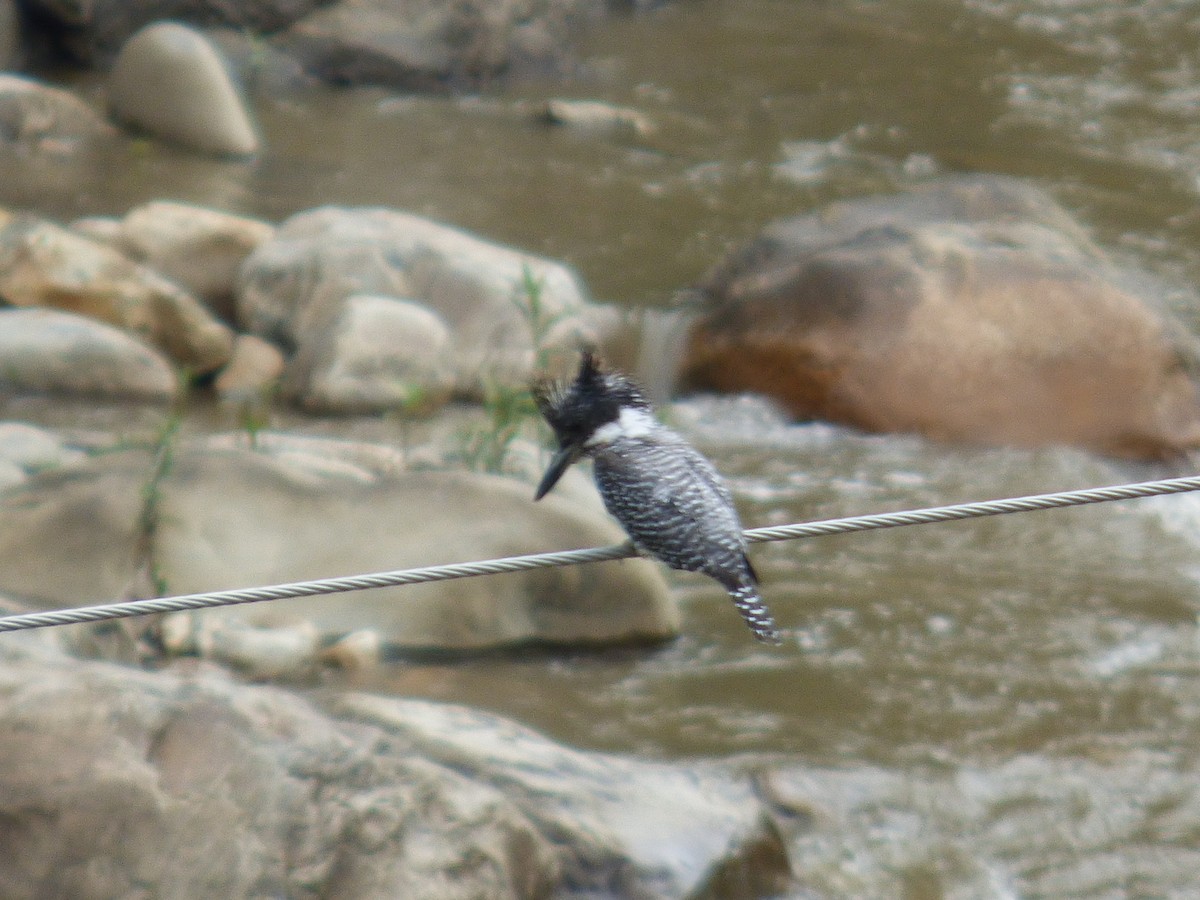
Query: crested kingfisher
x=668, y=498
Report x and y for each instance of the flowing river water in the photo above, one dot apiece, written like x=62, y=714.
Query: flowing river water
x=998, y=708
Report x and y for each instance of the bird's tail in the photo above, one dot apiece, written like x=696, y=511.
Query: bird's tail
x=754, y=611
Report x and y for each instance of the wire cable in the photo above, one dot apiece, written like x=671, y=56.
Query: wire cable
x=209, y=600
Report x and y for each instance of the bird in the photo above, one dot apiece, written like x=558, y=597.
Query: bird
x=669, y=499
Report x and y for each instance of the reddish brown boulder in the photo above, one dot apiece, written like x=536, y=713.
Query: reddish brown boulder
x=973, y=310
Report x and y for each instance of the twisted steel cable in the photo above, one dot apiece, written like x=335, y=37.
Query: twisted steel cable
x=399, y=577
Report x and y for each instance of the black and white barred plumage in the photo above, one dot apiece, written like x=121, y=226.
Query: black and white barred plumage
x=669, y=498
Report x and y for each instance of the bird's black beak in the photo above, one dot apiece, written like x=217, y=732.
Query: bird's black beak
x=561, y=462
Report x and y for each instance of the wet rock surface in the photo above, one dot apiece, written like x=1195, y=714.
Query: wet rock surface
x=26, y=450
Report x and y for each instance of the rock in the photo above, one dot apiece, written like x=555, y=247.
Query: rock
x=36, y=118
x=169, y=80
x=301, y=509
x=292, y=286
x=427, y=46
x=314, y=459
x=42, y=264
x=92, y=32
x=262, y=654
x=199, y=249
x=32, y=449
x=973, y=310
x=595, y=117
x=252, y=372
x=380, y=353
x=527, y=461
x=355, y=652
x=71, y=537
x=116, y=782
x=10, y=474
x=101, y=229
x=242, y=519
x=683, y=831
x=262, y=68
x=210, y=790
x=52, y=352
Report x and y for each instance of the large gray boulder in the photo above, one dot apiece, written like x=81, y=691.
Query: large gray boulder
x=223, y=516
x=428, y=45
x=971, y=310
x=379, y=354
x=73, y=535
x=170, y=81
x=116, y=782
x=36, y=118
x=47, y=351
x=294, y=286
x=242, y=519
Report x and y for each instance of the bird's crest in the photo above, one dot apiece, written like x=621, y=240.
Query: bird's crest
x=595, y=396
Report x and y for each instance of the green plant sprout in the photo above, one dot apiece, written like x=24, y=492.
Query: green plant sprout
x=151, y=496
x=509, y=408
x=254, y=414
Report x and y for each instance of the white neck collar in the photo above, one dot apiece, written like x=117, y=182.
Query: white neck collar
x=631, y=423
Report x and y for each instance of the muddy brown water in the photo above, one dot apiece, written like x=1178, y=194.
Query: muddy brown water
x=1001, y=708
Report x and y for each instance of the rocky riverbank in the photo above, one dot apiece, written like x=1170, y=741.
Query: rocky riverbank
x=184, y=316
x=190, y=783
x=195, y=398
